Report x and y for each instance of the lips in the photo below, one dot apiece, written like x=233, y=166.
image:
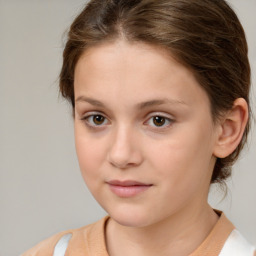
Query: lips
x=127, y=188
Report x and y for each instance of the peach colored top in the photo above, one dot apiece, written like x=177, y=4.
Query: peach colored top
x=90, y=241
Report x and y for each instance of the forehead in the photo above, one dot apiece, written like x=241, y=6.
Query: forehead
x=136, y=70
x=122, y=55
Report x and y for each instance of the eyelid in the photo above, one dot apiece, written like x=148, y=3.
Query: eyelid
x=157, y=113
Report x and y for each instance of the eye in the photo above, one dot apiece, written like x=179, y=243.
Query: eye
x=94, y=120
x=160, y=121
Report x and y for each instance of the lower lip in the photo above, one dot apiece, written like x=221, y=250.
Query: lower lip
x=128, y=191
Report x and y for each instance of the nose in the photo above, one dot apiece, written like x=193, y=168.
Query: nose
x=125, y=150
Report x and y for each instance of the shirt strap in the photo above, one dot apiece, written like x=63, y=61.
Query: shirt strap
x=237, y=245
x=62, y=245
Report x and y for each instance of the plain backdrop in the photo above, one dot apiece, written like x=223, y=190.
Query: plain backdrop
x=41, y=189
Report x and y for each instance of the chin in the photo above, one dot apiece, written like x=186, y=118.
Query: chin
x=130, y=218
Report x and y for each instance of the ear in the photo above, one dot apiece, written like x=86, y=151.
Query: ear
x=231, y=129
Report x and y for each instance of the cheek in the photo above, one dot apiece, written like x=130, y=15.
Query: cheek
x=185, y=157
x=89, y=153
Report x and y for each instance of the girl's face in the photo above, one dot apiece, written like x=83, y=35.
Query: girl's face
x=144, y=133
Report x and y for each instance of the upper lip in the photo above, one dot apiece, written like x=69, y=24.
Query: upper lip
x=127, y=183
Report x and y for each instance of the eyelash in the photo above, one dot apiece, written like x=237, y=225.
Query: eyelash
x=94, y=127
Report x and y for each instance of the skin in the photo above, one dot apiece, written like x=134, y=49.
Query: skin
x=176, y=158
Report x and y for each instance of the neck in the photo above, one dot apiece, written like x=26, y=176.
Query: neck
x=162, y=238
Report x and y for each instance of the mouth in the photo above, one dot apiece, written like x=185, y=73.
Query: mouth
x=127, y=188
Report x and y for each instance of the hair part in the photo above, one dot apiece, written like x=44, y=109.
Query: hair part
x=204, y=35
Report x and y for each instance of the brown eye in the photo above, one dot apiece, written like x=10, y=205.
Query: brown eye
x=93, y=121
x=98, y=119
x=159, y=120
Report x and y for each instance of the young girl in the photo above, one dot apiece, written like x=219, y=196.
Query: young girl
x=160, y=96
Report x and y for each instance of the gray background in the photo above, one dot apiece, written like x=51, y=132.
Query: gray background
x=41, y=189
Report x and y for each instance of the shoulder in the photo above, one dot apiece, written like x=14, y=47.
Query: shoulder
x=45, y=247
x=76, y=238
x=224, y=240
x=236, y=244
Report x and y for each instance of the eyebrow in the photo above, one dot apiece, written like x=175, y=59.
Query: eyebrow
x=141, y=105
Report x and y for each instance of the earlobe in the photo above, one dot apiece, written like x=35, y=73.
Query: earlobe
x=231, y=129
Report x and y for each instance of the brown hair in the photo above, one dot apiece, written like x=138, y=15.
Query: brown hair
x=204, y=35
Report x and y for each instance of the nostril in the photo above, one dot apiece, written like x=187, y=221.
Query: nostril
x=120, y=165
